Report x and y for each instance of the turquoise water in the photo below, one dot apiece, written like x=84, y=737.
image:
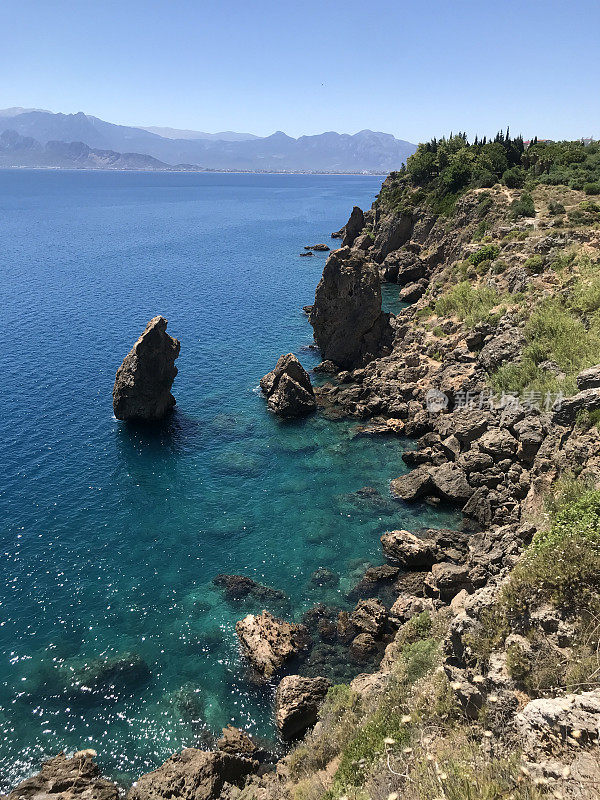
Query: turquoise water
x=111, y=535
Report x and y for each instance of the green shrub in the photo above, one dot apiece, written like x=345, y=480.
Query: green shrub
x=487, y=253
x=535, y=264
x=590, y=206
x=523, y=206
x=470, y=304
x=591, y=188
x=556, y=208
x=514, y=177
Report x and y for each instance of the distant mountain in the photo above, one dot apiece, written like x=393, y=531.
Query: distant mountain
x=24, y=151
x=176, y=133
x=365, y=151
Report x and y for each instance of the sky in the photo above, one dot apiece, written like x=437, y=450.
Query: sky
x=414, y=69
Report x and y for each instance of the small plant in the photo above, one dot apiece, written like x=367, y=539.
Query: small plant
x=470, y=304
x=555, y=208
x=487, y=253
x=535, y=264
x=523, y=206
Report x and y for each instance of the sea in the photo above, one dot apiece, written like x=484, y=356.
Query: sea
x=112, y=534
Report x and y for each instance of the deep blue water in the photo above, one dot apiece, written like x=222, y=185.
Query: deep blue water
x=112, y=535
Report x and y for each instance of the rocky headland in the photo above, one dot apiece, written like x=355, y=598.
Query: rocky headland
x=466, y=665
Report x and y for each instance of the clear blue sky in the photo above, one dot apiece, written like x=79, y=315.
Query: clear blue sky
x=414, y=69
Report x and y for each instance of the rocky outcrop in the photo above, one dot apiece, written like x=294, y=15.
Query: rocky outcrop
x=353, y=227
x=268, y=642
x=297, y=703
x=236, y=742
x=288, y=388
x=393, y=231
x=193, y=775
x=142, y=389
x=75, y=778
x=349, y=325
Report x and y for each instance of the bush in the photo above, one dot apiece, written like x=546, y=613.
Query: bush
x=591, y=188
x=535, y=264
x=487, y=253
x=514, y=177
x=556, y=208
x=523, y=206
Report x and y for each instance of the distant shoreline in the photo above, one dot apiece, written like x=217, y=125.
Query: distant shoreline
x=193, y=171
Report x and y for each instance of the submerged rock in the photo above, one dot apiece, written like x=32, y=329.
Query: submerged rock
x=142, y=389
x=113, y=675
x=297, y=703
x=268, y=642
x=288, y=388
x=193, y=775
x=238, y=587
x=67, y=779
x=349, y=325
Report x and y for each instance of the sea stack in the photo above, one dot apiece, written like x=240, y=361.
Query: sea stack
x=142, y=389
x=349, y=325
x=288, y=388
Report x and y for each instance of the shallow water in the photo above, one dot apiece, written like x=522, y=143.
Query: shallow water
x=111, y=534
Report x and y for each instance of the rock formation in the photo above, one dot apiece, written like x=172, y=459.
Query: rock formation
x=288, y=388
x=142, y=389
x=353, y=227
x=269, y=642
x=297, y=703
x=75, y=778
x=193, y=775
x=349, y=325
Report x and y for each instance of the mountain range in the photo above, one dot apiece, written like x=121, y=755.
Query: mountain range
x=33, y=138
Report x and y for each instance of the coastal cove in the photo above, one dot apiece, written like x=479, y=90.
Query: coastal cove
x=112, y=534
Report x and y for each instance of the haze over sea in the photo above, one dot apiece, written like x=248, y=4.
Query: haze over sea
x=111, y=534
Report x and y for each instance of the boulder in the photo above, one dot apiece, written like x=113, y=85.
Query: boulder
x=543, y=719
x=349, y=325
x=363, y=647
x=369, y=616
x=589, y=378
x=320, y=248
x=353, y=227
x=408, y=550
x=450, y=483
x=412, y=292
x=297, y=703
x=236, y=742
x=142, y=389
x=567, y=410
x=193, y=775
x=446, y=580
x=415, y=484
x=288, y=388
x=498, y=443
x=238, y=587
x=268, y=642
x=75, y=778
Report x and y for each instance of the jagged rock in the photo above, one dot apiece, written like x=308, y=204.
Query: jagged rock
x=498, y=443
x=236, y=742
x=193, y=775
x=373, y=581
x=588, y=400
x=541, y=720
x=238, y=587
x=393, y=231
x=325, y=367
x=268, y=642
x=467, y=694
x=349, y=326
x=288, y=388
x=369, y=616
x=306, y=253
x=412, y=292
x=589, y=378
x=142, y=389
x=75, y=778
x=446, y=580
x=413, y=485
x=450, y=483
x=407, y=606
x=297, y=703
x=353, y=227
x=504, y=347
x=363, y=647
x=408, y=550
x=320, y=248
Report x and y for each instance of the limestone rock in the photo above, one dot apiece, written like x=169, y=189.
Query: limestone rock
x=393, y=231
x=288, y=388
x=353, y=227
x=408, y=550
x=349, y=325
x=297, y=703
x=413, y=485
x=75, y=778
x=269, y=642
x=369, y=616
x=236, y=742
x=542, y=719
x=589, y=378
x=142, y=389
x=192, y=775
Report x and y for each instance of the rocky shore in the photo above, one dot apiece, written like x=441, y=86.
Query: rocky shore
x=461, y=645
